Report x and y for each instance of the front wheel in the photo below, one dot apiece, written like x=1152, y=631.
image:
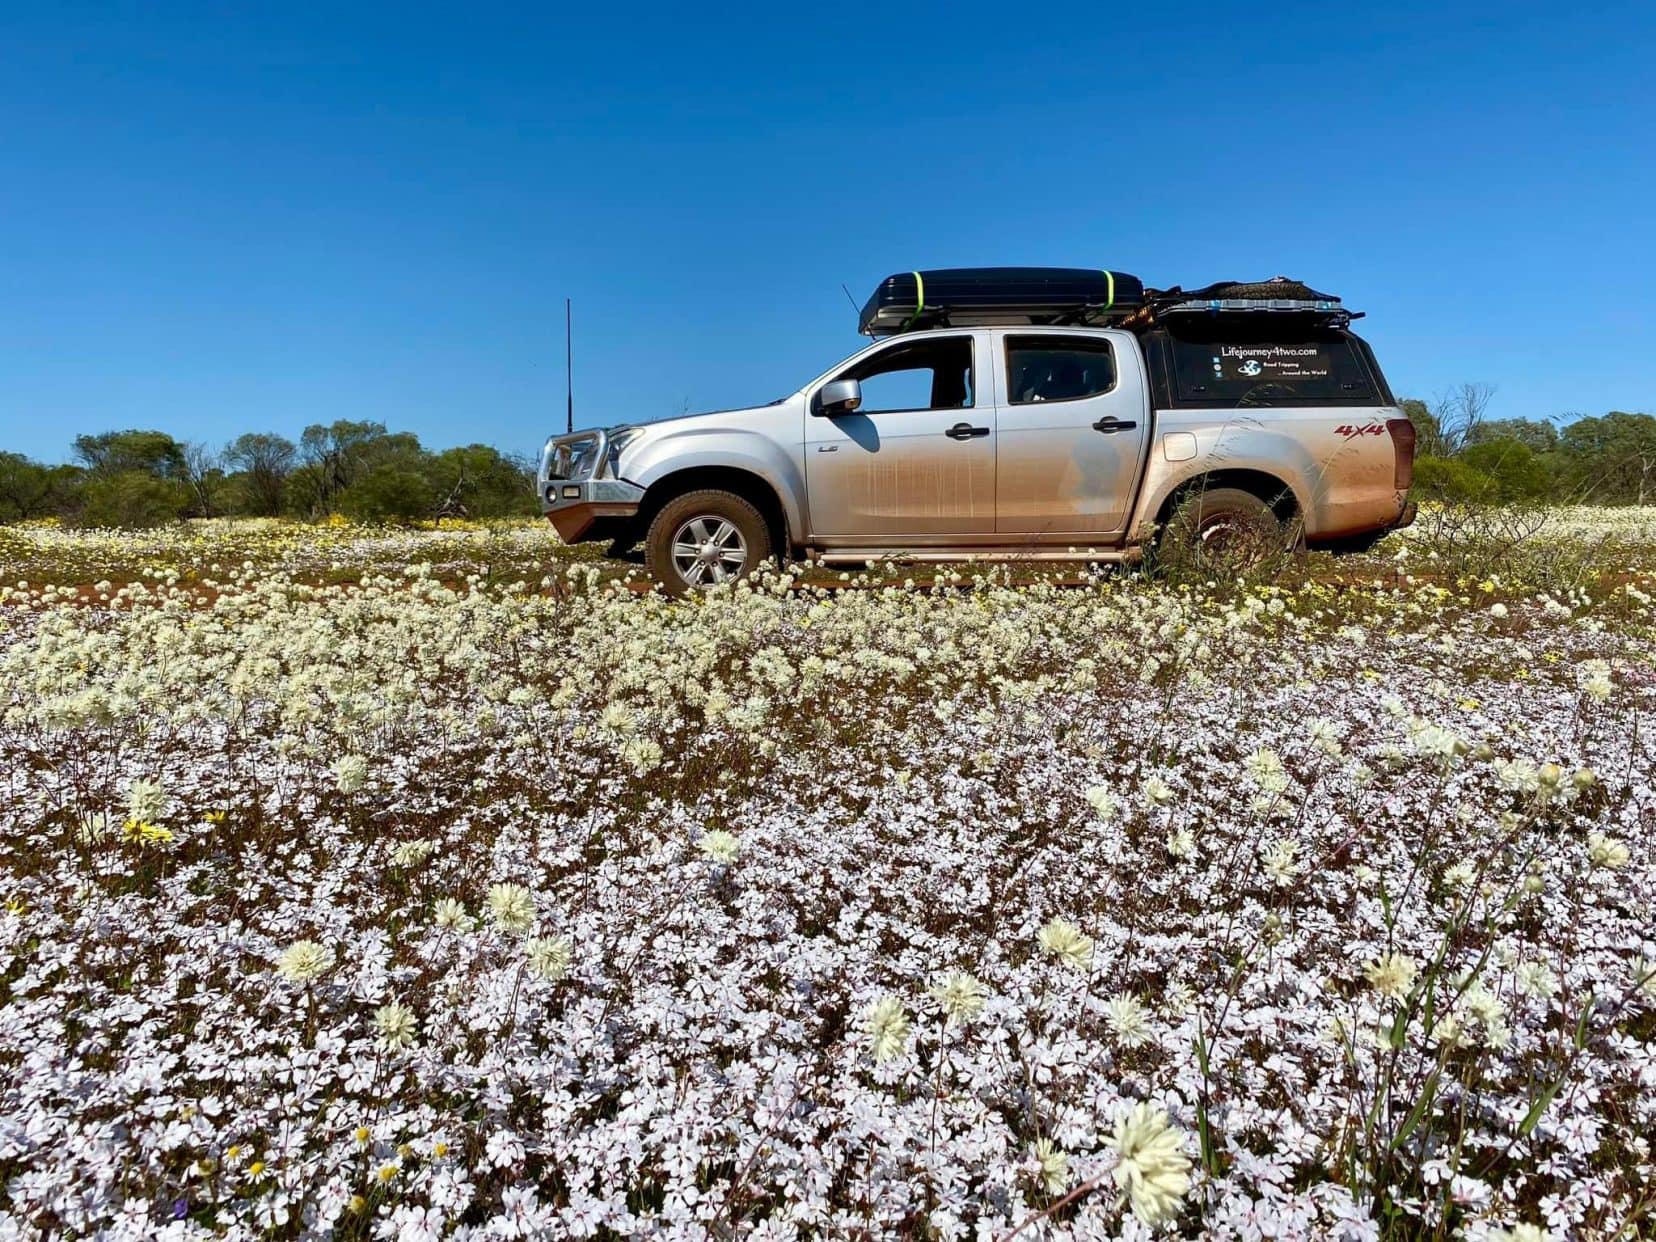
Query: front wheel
x=701, y=539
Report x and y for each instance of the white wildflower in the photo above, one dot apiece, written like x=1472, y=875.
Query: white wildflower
x=1282, y=862
x=1606, y=852
x=395, y=1024
x=1128, y=1020
x=887, y=1026
x=959, y=995
x=1103, y=803
x=1536, y=979
x=450, y=914
x=1265, y=767
x=304, y=961
x=549, y=956
x=719, y=846
x=512, y=906
x=1051, y=1166
x=146, y=801
x=1392, y=975
x=1157, y=791
x=411, y=854
x=1324, y=734
x=1152, y=1167
x=1065, y=941
x=350, y=773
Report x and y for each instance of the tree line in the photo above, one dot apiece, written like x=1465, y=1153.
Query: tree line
x=358, y=470
x=1467, y=457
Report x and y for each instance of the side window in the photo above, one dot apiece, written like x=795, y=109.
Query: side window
x=1245, y=370
x=920, y=375
x=1057, y=369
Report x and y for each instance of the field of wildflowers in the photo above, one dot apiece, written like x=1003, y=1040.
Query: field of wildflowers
x=433, y=883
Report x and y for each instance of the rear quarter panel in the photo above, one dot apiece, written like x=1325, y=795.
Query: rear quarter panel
x=1338, y=461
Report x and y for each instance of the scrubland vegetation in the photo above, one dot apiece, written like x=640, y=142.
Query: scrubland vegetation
x=420, y=883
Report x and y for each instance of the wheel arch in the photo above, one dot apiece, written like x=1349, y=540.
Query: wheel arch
x=748, y=484
x=1272, y=490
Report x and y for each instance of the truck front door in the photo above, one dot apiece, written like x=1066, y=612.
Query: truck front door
x=1072, y=427
x=917, y=458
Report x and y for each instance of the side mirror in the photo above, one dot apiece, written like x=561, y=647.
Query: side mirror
x=837, y=397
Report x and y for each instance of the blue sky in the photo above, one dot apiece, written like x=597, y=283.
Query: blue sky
x=222, y=218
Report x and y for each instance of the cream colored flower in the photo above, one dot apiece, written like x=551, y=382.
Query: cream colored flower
x=1103, y=802
x=549, y=956
x=411, y=854
x=1181, y=843
x=1157, y=791
x=396, y=1025
x=1065, y=941
x=720, y=846
x=1282, y=862
x=1644, y=977
x=450, y=914
x=304, y=961
x=146, y=801
x=887, y=1027
x=1128, y=1020
x=1153, y=1169
x=1392, y=975
x=1051, y=1166
x=350, y=773
x=1536, y=979
x=512, y=907
x=1606, y=852
x=1265, y=766
x=959, y=995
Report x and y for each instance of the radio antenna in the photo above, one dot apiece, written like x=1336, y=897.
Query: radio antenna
x=569, y=366
x=851, y=299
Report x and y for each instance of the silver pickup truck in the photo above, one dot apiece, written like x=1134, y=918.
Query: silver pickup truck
x=961, y=440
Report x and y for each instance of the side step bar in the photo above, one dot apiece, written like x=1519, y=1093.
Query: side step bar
x=861, y=556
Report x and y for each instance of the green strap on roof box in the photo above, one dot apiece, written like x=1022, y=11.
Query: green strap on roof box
x=966, y=296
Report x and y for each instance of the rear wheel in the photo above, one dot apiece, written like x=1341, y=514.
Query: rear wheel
x=703, y=538
x=1224, y=530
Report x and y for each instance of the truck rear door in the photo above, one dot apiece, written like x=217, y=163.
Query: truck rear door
x=1072, y=420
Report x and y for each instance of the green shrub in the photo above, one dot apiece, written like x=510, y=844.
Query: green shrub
x=1517, y=472
x=1452, y=481
x=388, y=493
x=133, y=499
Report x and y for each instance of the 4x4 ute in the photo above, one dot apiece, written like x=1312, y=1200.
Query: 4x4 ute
x=1037, y=413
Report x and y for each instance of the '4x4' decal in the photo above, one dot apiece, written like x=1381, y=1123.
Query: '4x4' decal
x=1351, y=433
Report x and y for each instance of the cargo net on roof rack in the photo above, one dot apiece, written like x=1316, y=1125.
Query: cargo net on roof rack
x=1281, y=295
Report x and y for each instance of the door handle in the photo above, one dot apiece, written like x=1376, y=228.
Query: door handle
x=1109, y=425
x=965, y=431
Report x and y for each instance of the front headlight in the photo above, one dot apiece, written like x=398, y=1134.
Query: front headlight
x=619, y=440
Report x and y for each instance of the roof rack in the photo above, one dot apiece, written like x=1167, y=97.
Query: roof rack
x=1280, y=296
x=1051, y=296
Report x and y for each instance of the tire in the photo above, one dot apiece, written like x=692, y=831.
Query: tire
x=1223, y=530
x=701, y=539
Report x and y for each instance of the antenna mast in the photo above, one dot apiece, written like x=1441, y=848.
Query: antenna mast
x=569, y=371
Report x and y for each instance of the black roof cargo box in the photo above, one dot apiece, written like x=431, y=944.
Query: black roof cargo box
x=960, y=296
